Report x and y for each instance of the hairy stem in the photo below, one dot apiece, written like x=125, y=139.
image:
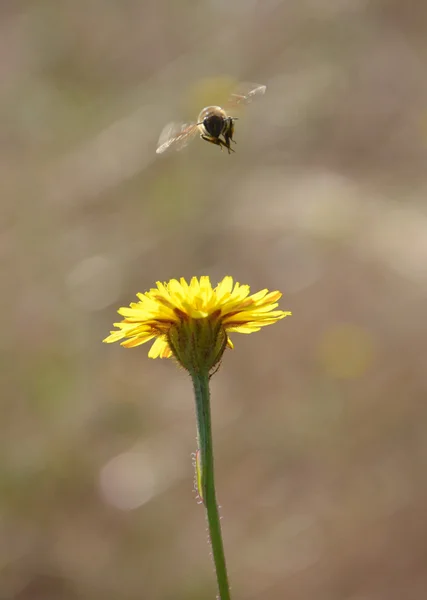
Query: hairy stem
x=204, y=430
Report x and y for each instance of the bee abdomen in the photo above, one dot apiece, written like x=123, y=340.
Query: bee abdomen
x=213, y=119
x=214, y=125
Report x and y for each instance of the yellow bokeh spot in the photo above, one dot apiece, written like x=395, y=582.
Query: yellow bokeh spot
x=346, y=351
x=209, y=91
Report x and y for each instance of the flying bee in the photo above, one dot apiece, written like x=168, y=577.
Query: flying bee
x=214, y=124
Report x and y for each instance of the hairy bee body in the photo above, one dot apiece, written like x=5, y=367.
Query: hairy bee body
x=214, y=125
x=213, y=122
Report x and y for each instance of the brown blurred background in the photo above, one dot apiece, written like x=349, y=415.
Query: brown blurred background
x=320, y=421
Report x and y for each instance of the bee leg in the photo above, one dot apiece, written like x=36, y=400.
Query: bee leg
x=216, y=141
x=212, y=140
x=227, y=143
x=230, y=133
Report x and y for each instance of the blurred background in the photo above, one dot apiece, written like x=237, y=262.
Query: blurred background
x=320, y=421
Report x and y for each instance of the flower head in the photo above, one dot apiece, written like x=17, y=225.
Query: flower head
x=192, y=321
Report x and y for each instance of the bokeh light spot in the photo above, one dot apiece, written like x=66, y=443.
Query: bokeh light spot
x=210, y=91
x=128, y=481
x=346, y=351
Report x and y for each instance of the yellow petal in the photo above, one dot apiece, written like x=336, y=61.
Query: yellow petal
x=135, y=341
x=180, y=304
x=160, y=349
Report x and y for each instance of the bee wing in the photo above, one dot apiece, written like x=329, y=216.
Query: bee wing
x=245, y=93
x=176, y=135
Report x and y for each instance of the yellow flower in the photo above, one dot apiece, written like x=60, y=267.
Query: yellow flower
x=192, y=321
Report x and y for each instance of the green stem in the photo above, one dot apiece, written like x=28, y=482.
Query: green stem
x=204, y=429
